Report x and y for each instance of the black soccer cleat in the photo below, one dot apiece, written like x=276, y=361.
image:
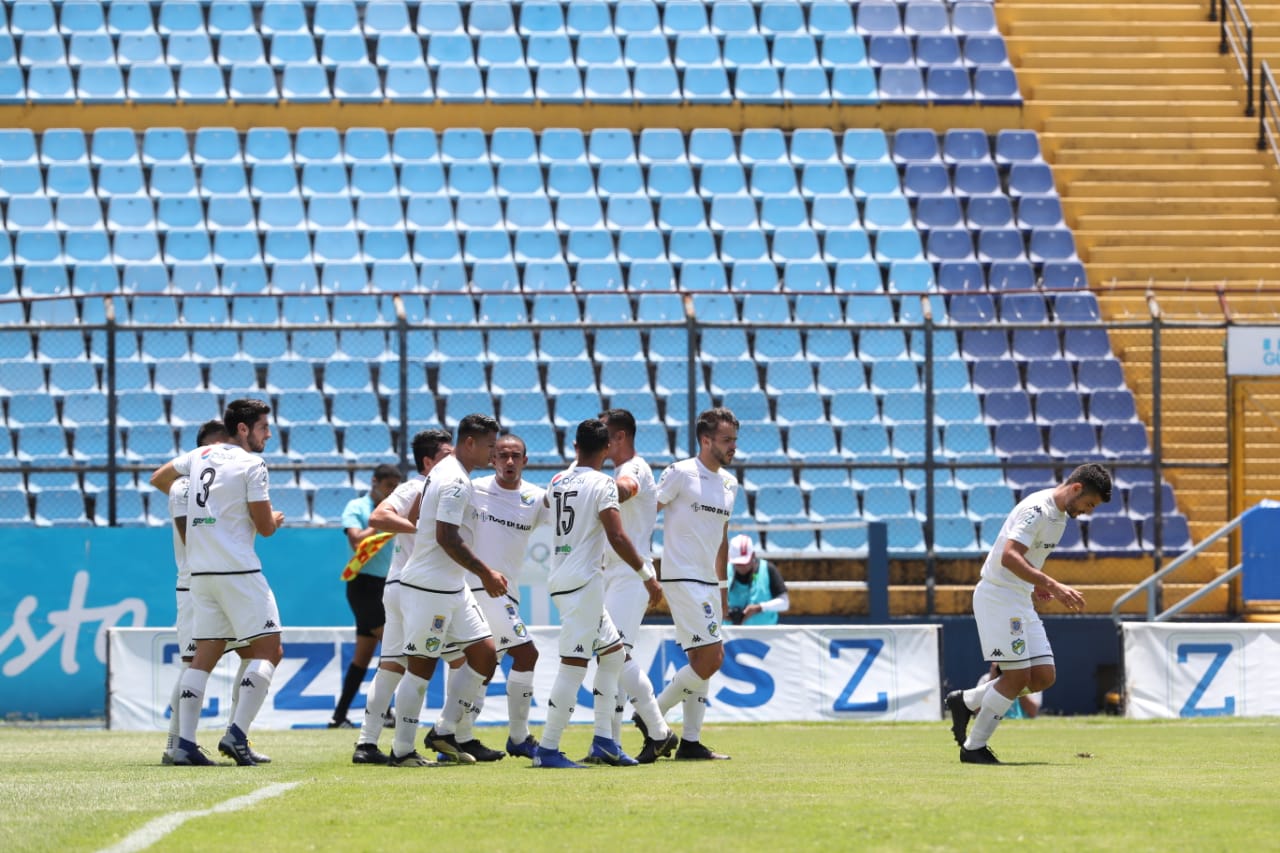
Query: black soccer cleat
x=639, y=724
x=480, y=752
x=448, y=749
x=960, y=715
x=368, y=753
x=655, y=749
x=413, y=759
x=235, y=746
x=981, y=755
x=692, y=750
x=187, y=754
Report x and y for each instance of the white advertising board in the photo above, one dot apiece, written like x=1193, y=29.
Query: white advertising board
x=1219, y=670
x=780, y=673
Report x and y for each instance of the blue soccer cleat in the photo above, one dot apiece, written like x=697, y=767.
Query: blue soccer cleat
x=608, y=751
x=555, y=759
x=526, y=748
x=235, y=745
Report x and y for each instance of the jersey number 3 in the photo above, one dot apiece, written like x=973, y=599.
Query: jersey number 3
x=206, y=481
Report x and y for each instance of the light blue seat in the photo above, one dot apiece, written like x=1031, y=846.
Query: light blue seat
x=305, y=82
x=253, y=84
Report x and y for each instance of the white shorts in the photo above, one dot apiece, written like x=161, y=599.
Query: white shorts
x=1009, y=628
x=503, y=615
x=626, y=599
x=585, y=626
x=233, y=607
x=435, y=621
x=696, y=612
x=393, y=628
x=184, y=625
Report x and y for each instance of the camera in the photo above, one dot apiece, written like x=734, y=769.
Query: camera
x=736, y=615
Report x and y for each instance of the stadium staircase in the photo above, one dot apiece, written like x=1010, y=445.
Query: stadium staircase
x=1144, y=123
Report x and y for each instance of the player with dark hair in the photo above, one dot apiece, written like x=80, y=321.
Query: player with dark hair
x=586, y=523
x=364, y=591
x=1009, y=628
x=398, y=514
x=696, y=496
x=437, y=605
x=228, y=503
x=508, y=508
x=625, y=596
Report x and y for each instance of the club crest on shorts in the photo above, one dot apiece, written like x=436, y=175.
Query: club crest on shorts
x=1015, y=625
x=437, y=624
x=706, y=609
x=713, y=629
x=433, y=645
x=520, y=630
x=511, y=610
x=1019, y=646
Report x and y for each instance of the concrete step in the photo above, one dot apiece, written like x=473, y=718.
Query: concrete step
x=1117, y=14
x=1152, y=142
x=1257, y=185
x=1188, y=241
x=1118, y=158
x=1150, y=79
x=1033, y=89
x=1256, y=207
x=1165, y=223
x=1070, y=55
x=1044, y=108
x=1083, y=125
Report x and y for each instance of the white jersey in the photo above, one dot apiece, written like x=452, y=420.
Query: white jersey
x=178, y=509
x=577, y=497
x=697, y=503
x=504, y=520
x=1035, y=522
x=639, y=512
x=447, y=498
x=225, y=479
x=401, y=500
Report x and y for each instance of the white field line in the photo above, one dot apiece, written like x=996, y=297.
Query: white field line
x=141, y=839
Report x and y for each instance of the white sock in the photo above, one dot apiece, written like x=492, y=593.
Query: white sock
x=253, y=692
x=635, y=683
x=175, y=714
x=409, y=696
x=685, y=681
x=190, y=701
x=560, y=704
x=235, y=689
x=519, y=698
x=994, y=706
x=605, y=691
x=461, y=689
x=467, y=723
x=973, y=696
x=695, y=708
x=384, y=687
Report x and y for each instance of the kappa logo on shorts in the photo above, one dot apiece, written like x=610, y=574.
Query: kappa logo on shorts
x=697, y=638
x=269, y=625
x=433, y=644
x=1015, y=625
x=996, y=653
x=580, y=650
x=706, y=609
x=410, y=647
x=437, y=624
x=1019, y=646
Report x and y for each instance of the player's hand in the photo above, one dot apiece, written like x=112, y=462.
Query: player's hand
x=655, y=591
x=278, y=517
x=495, y=583
x=1070, y=598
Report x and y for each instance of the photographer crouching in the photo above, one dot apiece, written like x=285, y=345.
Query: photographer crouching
x=757, y=593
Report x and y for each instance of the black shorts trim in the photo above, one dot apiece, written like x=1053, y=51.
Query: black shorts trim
x=182, y=589
x=567, y=591
x=690, y=580
x=207, y=574
x=429, y=589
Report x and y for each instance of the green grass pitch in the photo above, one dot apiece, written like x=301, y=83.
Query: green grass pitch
x=1068, y=784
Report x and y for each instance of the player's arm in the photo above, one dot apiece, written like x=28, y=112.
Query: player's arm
x=180, y=525
x=384, y=517
x=1015, y=560
x=627, y=487
x=164, y=476
x=265, y=519
x=620, y=542
x=722, y=568
x=450, y=538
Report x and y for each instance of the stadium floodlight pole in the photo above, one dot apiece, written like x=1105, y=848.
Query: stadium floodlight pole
x=691, y=377
x=109, y=306
x=402, y=337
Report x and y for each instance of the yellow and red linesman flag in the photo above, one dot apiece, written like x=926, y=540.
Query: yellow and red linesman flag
x=368, y=546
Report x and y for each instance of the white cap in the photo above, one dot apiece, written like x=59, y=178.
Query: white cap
x=741, y=550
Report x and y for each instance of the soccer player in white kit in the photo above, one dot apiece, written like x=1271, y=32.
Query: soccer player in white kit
x=436, y=604
x=398, y=514
x=624, y=594
x=508, y=508
x=1009, y=627
x=696, y=497
x=586, y=522
x=228, y=503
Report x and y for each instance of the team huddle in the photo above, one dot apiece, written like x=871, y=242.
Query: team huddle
x=450, y=591
x=451, y=588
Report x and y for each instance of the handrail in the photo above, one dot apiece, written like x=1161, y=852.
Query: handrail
x=1269, y=113
x=1233, y=23
x=1152, y=616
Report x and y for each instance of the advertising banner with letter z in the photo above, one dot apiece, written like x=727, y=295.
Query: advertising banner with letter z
x=1220, y=670
x=770, y=674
